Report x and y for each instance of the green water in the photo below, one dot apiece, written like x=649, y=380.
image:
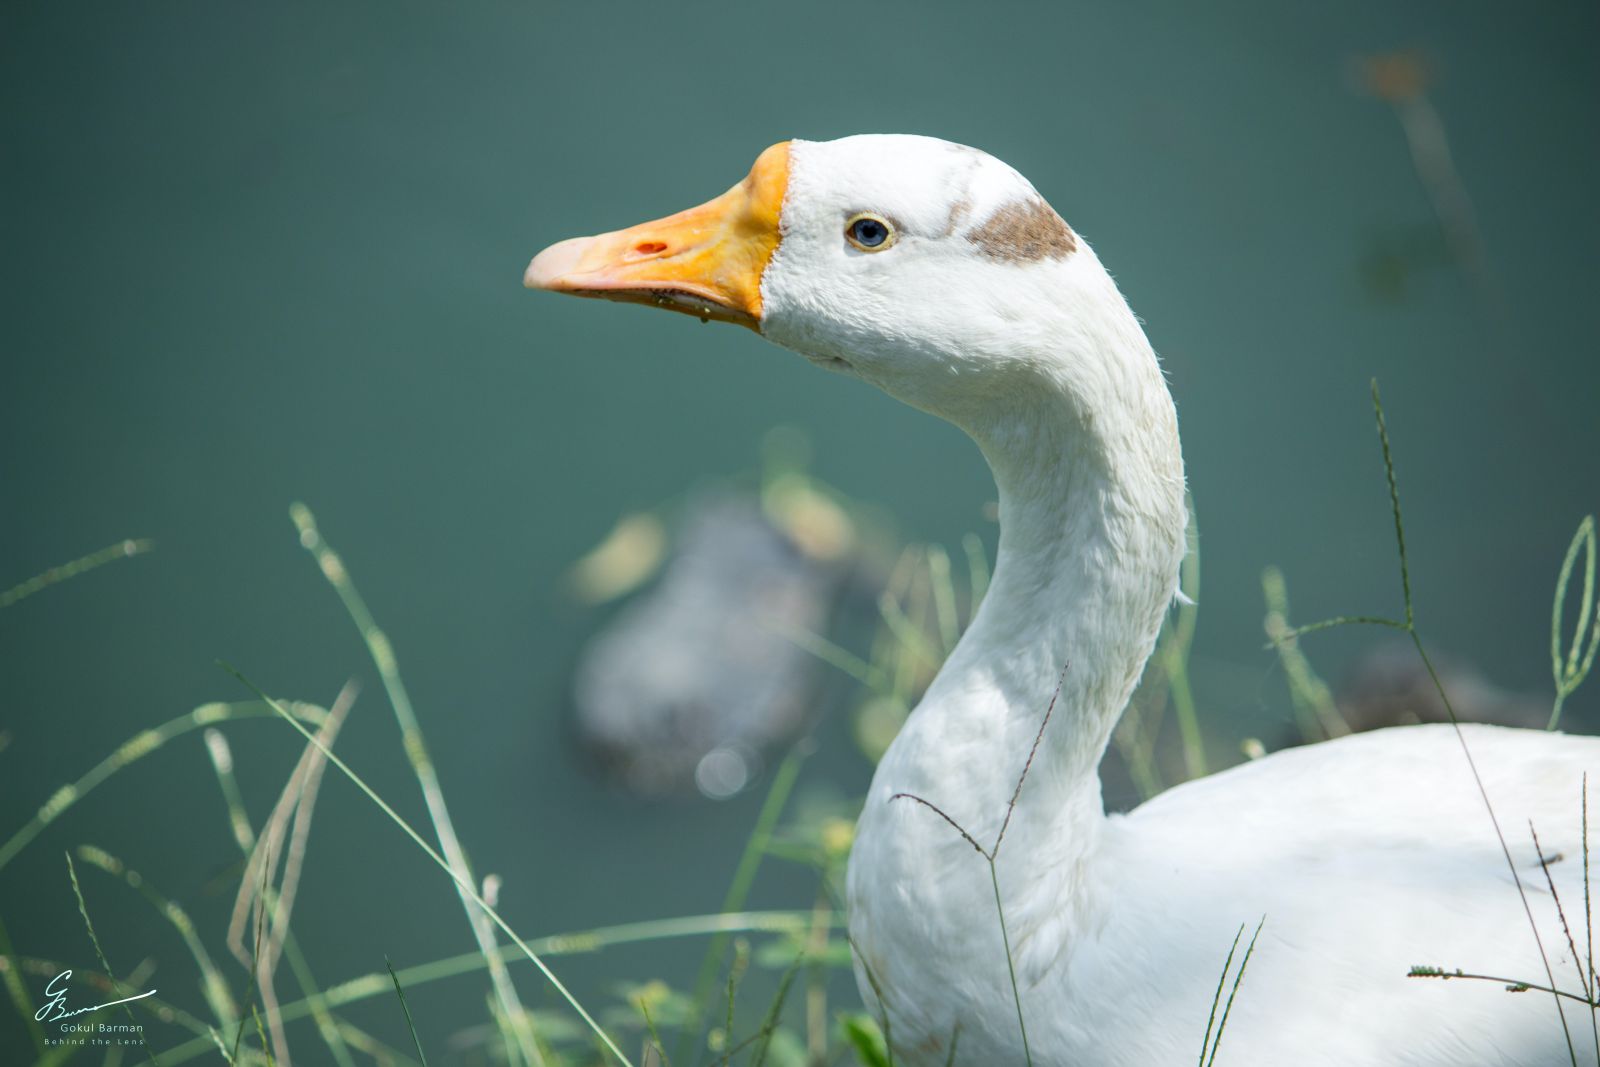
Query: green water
x=258, y=254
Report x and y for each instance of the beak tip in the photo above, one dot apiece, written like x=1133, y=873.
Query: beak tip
x=549, y=268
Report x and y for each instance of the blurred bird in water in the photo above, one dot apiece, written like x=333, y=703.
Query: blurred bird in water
x=699, y=677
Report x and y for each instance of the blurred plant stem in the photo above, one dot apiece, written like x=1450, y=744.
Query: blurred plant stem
x=383, y=658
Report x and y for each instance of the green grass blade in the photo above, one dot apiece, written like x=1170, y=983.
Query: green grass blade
x=331, y=1030
x=955, y=1040
x=769, y=1025
x=466, y=887
x=1216, y=998
x=1222, y=1024
x=862, y=1035
x=1513, y=985
x=255, y=971
x=743, y=876
x=1175, y=654
x=135, y=748
x=944, y=597
x=1571, y=669
x=367, y=986
x=221, y=755
x=1416, y=639
x=977, y=570
x=1505, y=849
x=215, y=988
x=416, y=749
x=741, y=960
x=910, y=636
x=1394, y=503
x=16, y=991
x=120, y=550
x=1341, y=620
x=1011, y=967
x=660, y=1049
x=100, y=954
x=1316, y=714
x=887, y=1059
x=261, y=1036
x=868, y=675
x=410, y=1023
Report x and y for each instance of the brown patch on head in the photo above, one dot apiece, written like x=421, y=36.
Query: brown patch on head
x=1024, y=231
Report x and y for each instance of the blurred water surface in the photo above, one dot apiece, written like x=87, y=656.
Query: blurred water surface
x=265, y=253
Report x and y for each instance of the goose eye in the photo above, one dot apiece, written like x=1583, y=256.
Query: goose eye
x=869, y=233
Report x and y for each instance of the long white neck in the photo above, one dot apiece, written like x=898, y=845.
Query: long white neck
x=1092, y=518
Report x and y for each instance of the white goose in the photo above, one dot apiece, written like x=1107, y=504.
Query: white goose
x=938, y=274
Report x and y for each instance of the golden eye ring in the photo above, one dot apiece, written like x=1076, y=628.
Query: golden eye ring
x=869, y=232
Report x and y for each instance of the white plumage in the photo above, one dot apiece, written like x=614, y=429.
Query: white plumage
x=1366, y=855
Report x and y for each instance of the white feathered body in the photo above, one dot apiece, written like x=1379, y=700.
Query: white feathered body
x=1366, y=856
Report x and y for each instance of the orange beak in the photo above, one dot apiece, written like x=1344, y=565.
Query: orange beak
x=706, y=261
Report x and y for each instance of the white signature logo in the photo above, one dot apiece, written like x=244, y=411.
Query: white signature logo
x=57, y=992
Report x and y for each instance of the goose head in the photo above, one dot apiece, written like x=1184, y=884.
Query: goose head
x=930, y=269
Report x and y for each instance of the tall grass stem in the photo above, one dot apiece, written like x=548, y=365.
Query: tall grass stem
x=384, y=659
x=100, y=954
x=744, y=875
x=120, y=550
x=466, y=887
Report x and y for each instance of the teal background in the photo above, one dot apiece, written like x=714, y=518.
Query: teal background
x=264, y=253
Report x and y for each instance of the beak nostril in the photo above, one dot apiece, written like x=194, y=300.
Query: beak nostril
x=649, y=248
